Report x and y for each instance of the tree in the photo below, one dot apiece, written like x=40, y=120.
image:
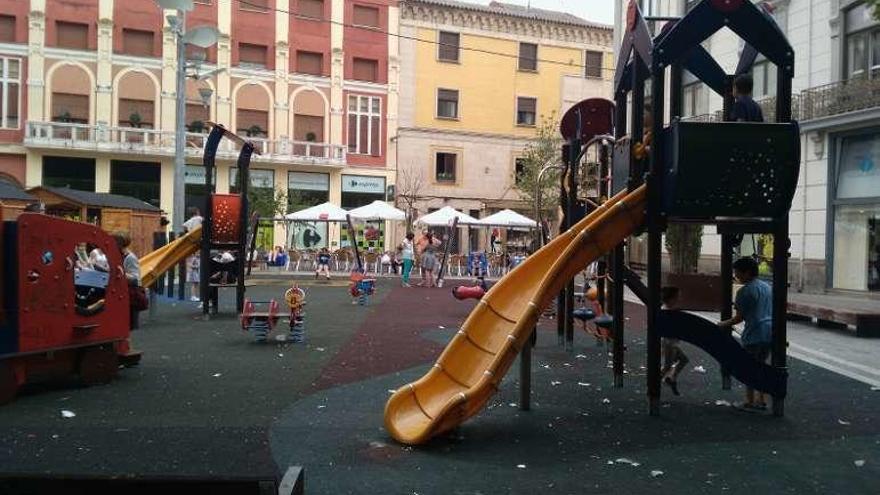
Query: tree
x=684, y=243
x=267, y=203
x=410, y=184
x=542, y=151
x=875, y=6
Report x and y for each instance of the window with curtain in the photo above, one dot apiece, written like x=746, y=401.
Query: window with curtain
x=862, y=43
x=251, y=55
x=73, y=35
x=364, y=69
x=7, y=28
x=444, y=170
x=364, y=125
x=448, y=50
x=362, y=15
x=447, y=103
x=10, y=99
x=528, y=56
x=137, y=42
x=313, y=9
x=526, y=108
x=309, y=62
x=592, y=64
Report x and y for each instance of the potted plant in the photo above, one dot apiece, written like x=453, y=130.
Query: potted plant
x=196, y=126
x=135, y=120
x=254, y=131
x=65, y=117
x=699, y=291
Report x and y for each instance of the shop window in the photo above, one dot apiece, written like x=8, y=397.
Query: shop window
x=444, y=170
x=309, y=62
x=252, y=56
x=447, y=103
x=137, y=42
x=528, y=56
x=592, y=64
x=75, y=173
x=448, y=51
x=364, y=69
x=365, y=16
x=139, y=180
x=73, y=35
x=525, y=111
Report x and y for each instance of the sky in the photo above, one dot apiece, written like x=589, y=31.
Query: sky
x=591, y=10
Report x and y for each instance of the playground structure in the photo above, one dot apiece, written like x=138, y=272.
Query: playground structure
x=226, y=220
x=60, y=319
x=739, y=176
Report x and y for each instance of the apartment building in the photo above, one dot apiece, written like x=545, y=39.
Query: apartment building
x=475, y=82
x=89, y=93
x=835, y=216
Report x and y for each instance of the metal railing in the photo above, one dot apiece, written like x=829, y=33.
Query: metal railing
x=89, y=137
x=818, y=102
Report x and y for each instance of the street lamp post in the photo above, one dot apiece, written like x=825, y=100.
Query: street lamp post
x=202, y=36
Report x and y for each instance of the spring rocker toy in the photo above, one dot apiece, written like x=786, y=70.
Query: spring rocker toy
x=260, y=323
x=602, y=322
x=476, y=291
x=295, y=298
x=361, y=287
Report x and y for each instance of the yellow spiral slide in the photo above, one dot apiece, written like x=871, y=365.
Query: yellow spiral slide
x=475, y=361
x=161, y=260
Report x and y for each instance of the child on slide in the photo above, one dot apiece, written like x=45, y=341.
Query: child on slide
x=674, y=359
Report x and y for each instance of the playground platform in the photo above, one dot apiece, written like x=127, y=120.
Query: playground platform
x=208, y=400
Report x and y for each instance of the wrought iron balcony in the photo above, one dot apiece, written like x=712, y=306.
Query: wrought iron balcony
x=153, y=142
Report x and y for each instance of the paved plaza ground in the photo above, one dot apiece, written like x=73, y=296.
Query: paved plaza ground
x=206, y=399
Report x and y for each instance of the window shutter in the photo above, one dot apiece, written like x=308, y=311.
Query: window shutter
x=309, y=63
x=250, y=54
x=449, y=45
x=137, y=42
x=365, y=69
x=311, y=8
x=593, y=64
x=528, y=54
x=7, y=28
x=365, y=16
x=73, y=35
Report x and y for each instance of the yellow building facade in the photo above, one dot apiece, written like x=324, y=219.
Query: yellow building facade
x=476, y=82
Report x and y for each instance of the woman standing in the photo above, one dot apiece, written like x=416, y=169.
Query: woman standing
x=429, y=259
x=407, y=254
x=131, y=268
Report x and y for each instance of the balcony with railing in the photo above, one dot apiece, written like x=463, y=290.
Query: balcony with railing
x=153, y=142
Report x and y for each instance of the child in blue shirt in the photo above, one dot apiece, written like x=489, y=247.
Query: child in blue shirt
x=754, y=306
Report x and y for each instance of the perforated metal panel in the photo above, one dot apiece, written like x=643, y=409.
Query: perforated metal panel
x=731, y=169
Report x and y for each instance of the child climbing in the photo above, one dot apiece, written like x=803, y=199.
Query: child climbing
x=674, y=359
x=754, y=306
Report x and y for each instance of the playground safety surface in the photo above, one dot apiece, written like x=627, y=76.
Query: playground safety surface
x=208, y=400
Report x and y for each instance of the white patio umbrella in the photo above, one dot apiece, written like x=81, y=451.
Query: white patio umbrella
x=508, y=219
x=377, y=210
x=324, y=212
x=444, y=216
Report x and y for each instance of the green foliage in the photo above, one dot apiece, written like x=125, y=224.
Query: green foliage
x=135, y=120
x=542, y=151
x=875, y=8
x=254, y=131
x=267, y=202
x=684, y=242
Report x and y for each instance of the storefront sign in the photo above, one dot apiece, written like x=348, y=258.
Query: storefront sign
x=363, y=184
x=308, y=181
